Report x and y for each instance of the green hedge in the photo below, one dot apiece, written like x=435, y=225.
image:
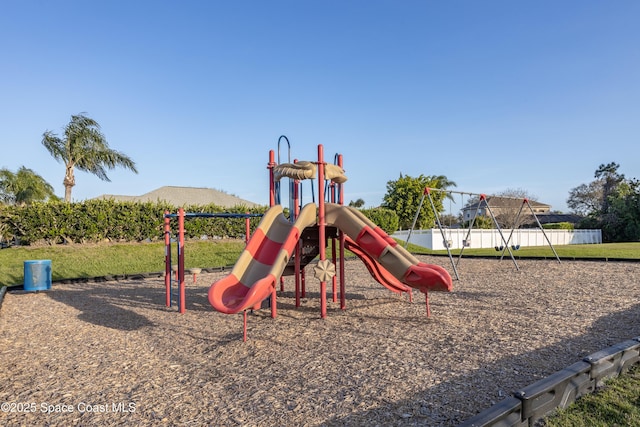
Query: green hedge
x=94, y=221
x=107, y=220
x=559, y=226
x=384, y=218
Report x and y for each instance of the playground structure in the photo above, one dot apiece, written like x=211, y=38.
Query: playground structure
x=178, y=268
x=284, y=246
x=503, y=245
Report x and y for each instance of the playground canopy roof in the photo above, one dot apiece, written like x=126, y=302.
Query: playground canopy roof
x=184, y=196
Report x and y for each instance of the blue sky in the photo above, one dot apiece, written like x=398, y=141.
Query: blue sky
x=493, y=94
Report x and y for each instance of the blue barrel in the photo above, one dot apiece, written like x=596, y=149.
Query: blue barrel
x=37, y=275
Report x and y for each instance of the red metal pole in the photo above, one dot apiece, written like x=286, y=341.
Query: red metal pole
x=247, y=229
x=426, y=299
x=274, y=311
x=296, y=196
x=272, y=186
x=181, y=259
x=272, y=202
x=297, y=253
x=334, y=254
x=244, y=326
x=343, y=302
x=167, y=257
x=321, y=229
x=334, y=279
x=297, y=277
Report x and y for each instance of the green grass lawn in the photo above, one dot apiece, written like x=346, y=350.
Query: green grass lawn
x=618, y=404
x=86, y=261
x=601, y=251
x=80, y=261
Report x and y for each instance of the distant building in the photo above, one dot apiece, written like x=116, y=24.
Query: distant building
x=184, y=196
x=509, y=207
x=502, y=205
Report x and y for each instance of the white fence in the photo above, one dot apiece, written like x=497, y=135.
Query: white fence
x=479, y=238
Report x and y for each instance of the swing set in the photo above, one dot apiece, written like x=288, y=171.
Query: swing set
x=504, y=245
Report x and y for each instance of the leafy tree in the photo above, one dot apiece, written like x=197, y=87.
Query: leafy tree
x=357, y=204
x=610, y=178
x=593, y=198
x=622, y=220
x=517, y=193
x=383, y=218
x=611, y=203
x=403, y=196
x=481, y=222
x=586, y=198
x=24, y=187
x=511, y=205
x=447, y=220
x=84, y=147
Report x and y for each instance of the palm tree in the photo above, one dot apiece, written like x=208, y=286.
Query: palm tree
x=443, y=183
x=84, y=147
x=23, y=187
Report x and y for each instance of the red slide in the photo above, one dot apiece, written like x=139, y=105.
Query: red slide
x=377, y=271
x=379, y=246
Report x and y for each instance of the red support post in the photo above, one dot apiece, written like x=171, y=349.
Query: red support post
x=334, y=279
x=426, y=299
x=334, y=254
x=181, y=259
x=298, y=251
x=272, y=185
x=274, y=310
x=244, y=326
x=247, y=229
x=167, y=257
x=343, y=302
x=296, y=196
x=321, y=229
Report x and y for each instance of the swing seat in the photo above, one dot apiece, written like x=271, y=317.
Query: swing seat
x=466, y=243
x=447, y=243
x=499, y=248
x=515, y=247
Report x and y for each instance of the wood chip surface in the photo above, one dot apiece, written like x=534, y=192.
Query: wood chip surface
x=110, y=354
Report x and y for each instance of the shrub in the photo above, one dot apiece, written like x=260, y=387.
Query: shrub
x=385, y=218
x=100, y=220
x=559, y=226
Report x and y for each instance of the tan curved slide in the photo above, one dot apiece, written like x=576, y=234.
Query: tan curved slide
x=262, y=262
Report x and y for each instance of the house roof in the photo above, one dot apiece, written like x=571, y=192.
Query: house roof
x=552, y=218
x=497, y=201
x=184, y=196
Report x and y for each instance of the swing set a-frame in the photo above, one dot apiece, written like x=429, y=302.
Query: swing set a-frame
x=507, y=244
